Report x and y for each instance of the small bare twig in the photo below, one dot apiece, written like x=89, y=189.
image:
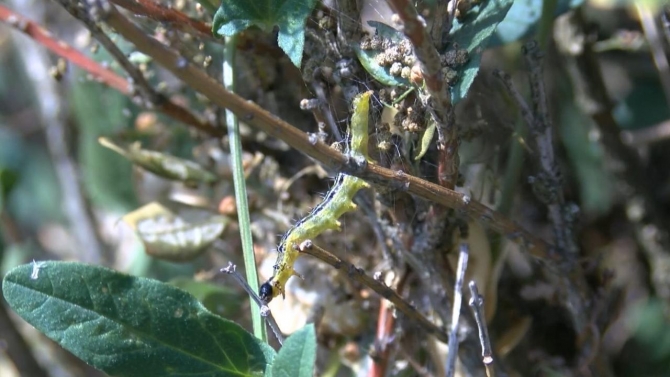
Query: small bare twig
x=549, y=180
x=257, y=117
x=456, y=308
x=359, y=275
x=439, y=103
x=265, y=311
x=477, y=305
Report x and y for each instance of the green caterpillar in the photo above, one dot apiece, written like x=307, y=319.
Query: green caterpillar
x=324, y=216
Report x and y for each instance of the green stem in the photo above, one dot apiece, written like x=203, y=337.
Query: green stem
x=546, y=24
x=240, y=185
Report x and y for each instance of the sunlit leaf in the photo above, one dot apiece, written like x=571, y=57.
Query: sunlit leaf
x=216, y=297
x=290, y=16
x=369, y=58
x=167, y=236
x=523, y=18
x=297, y=356
x=161, y=164
x=473, y=34
x=130, y=326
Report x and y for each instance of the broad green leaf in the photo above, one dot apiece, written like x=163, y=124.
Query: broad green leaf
x=368, y=58
x=523, y=18
x=167, y=236
x=218, y=298
x=130, y=326
x=297, y=356
x=161, y=164
x=235, y=16
x=473, y=35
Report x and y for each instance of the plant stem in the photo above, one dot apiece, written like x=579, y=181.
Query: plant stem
x=546, y=23
x=240, y=185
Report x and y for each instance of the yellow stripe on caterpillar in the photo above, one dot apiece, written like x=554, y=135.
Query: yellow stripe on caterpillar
x=325, y=216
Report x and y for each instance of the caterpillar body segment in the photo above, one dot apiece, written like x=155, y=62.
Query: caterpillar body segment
x=325, y=216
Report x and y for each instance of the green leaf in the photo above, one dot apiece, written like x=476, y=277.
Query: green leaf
x=130, y=326
x=162, y=164
x=297, y=356
x=426, y=139
x=523, y=18
x=368, y=58
x=473, y=34
x=235, y=16
x=168, y=236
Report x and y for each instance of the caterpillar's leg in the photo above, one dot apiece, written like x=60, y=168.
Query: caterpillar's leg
x=294, y=273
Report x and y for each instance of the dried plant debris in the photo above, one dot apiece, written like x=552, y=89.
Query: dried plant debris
x=168, y=236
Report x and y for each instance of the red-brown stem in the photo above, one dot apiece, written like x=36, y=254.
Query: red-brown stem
x=61, y=48
x=103, y=75
x=180, y=21
x=158, y=12
x=440, y=102
x=385, y=323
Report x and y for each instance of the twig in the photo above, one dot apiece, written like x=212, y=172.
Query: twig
x=658, y=53
x=549, y=177
x=103, y=75
x=265, y=312
x=456, y=308
x=385, y=323
x=160, y=13
x=259, y=118
x=147, y=94
x=52, y=114
x=45, y=38
x=359, y=275
x=439, y=103
x=477, y=305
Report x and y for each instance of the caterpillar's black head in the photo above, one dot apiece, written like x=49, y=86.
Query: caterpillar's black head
x=265, y=293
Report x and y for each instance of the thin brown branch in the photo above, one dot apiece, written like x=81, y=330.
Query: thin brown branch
x=261, y=119
x=160, y=13
x=231, y=269
x=45, y=38
x=360, y=276
x=101, y=74
x=439, y=103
